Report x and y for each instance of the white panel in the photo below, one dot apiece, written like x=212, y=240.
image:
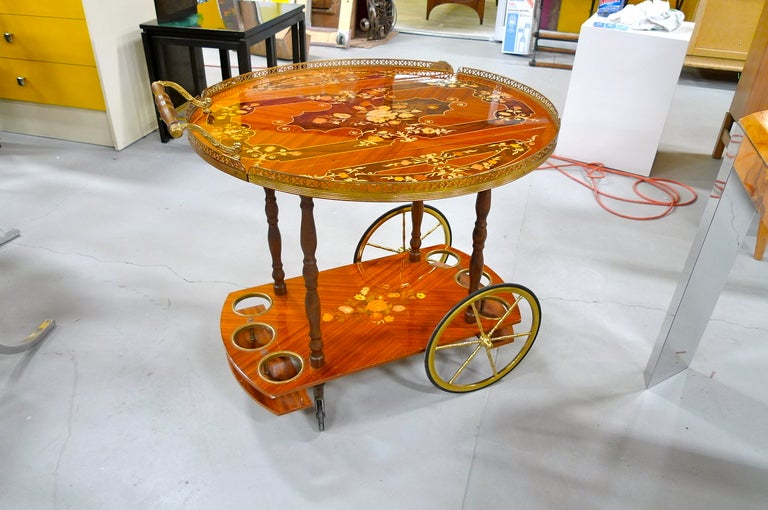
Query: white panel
x=619, y=95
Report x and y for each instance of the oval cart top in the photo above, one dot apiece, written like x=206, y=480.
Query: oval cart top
x=374, y=130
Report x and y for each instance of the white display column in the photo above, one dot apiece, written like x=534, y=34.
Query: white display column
x=619, y=94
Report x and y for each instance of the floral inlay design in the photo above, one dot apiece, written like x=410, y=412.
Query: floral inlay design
x=380, y=308
x=378, y=111
x=375, y=129
x=441, y=166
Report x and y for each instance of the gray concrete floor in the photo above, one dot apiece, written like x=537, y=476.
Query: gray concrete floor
x=129, y=403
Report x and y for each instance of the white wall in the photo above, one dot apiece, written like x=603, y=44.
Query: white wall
x=116, y=39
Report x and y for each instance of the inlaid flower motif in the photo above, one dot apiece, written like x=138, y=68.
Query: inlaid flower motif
x=380, y=115
x=379, y=308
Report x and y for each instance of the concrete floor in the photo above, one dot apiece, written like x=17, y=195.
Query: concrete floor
x=129, y=403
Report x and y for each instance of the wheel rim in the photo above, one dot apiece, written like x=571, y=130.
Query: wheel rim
x=390, y=233
x=469, y=353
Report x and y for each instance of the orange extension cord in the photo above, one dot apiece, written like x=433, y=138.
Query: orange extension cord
x=594, y=172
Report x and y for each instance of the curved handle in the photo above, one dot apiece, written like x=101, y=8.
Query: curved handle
x=166, y=109
x=8, y=37
x=176, y=127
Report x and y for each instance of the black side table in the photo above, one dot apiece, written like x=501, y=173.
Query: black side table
x=251, y=22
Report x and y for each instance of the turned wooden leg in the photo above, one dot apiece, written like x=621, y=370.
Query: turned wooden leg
x=275, y=243
x=479, y=234
x=762, y=239
x=312, y=300
x=417, y=214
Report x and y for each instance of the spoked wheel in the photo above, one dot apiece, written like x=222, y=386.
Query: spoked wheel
x=382, y=16
x=390, y=233
x=482, y=338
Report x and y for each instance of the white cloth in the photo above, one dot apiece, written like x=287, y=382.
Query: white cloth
x=649, y=15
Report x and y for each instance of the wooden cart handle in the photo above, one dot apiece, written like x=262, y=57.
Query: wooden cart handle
x=176, y=127
x=166, y=109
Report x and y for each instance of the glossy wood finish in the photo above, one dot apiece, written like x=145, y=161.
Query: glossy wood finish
x=479, y=235
x=751, y=165
x=363, y=130
x=275, y=240
x=375, y=130
x=371, y=313
x=417, y=216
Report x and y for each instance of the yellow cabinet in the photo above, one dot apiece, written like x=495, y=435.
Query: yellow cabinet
x=83, y=68
x=46, y=55
x=60, y=40
x=51, y=83
x=52, y=8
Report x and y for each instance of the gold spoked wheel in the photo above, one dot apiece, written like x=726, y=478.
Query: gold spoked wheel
x=482, y=338
x=390, y=233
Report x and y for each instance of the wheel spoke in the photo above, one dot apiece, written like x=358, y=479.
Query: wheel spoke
x=430, y=231
x=385, y=248
x=460, y=343
x=491, y=360
x=512, y=336
x=465, y=364
x=503, y=317
x=476, y=315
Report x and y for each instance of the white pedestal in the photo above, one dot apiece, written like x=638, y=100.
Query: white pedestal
x=619, y=95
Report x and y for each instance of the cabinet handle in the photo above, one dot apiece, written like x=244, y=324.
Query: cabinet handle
x=21, y=81
x=8, y=37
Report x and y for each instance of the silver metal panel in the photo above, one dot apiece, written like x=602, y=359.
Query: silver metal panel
x=722, y=229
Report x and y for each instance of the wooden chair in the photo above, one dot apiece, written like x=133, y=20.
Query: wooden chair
x=476, y=5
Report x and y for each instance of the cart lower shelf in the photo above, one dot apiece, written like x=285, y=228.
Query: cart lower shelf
x=372, y=312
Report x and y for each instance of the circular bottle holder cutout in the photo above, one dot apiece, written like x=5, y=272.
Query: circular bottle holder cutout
x=253, y=336
x=462, y=278
x=281, y=367
x=252, y=304
x=442, y=258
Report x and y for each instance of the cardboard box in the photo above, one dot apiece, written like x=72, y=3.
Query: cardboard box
x=283, y=45
x=519, y=23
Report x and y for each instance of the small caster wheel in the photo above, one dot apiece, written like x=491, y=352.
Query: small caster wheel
x=320, y=407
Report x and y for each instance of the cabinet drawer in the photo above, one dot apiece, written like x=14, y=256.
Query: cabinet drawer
x=51, y=83
x=46, y=39
x=724, y=28
x=52, y=8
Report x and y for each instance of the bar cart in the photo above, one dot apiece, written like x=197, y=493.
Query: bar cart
x=373, y=130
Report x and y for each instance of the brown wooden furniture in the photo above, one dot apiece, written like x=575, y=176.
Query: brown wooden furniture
x=751, y=166
x=723, y=33
x=373, y=131
x=476, y=5
x=751, y=93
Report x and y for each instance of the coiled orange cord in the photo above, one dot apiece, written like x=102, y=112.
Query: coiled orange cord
x=594, y=172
